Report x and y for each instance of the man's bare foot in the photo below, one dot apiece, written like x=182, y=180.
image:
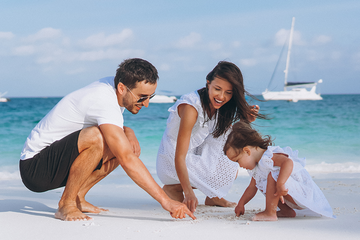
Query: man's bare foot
x=70, y=213
x=85, y=206
x=264, y=216
x=221, y=202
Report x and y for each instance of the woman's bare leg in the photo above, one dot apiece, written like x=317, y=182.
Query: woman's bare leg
x=175, y=192
x=285, y=210
x=221, y=202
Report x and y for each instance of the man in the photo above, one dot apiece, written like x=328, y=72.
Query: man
x=82, y=139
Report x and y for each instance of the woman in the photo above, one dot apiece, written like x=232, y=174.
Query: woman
x=190, y=155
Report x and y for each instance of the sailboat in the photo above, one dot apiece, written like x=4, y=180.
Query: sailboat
x=3, y=99
x=163, y=99
x=293, y=91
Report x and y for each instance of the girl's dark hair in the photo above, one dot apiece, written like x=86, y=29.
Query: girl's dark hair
x=234, y=110
x=135, y=70
x=243, y=135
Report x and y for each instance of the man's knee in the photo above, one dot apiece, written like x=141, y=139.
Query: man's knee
x=91, y=137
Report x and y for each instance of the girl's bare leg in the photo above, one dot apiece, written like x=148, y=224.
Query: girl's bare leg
x=221, y=202
x=271, y=202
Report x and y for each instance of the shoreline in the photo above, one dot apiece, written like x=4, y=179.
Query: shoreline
x=133, y=214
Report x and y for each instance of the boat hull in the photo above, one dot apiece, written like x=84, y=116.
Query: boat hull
x=163, y=99
x=293, y=95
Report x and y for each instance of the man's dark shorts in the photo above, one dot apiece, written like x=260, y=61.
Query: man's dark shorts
x=49, y=169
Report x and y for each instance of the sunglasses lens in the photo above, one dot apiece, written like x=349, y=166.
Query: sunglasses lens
x=142, y=99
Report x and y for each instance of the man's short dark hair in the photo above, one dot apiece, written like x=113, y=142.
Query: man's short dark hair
x=135, y=70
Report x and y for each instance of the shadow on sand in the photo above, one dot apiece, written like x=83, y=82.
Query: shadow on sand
x=27, y=207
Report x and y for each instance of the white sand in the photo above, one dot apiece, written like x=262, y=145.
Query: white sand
x=135, y=215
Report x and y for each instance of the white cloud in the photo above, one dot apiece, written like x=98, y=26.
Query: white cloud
x=24, y=50
x=283, y=35
x=356, y=61
x=336, y=55
x=164, y=67
x=101, y=40
x=322, y=39
x=189, y=41
x=109, y=54
x=249, y=62
x=76, y=71
x=214, y=46
x=45, y=34
x=6, y=35
x=236, y=44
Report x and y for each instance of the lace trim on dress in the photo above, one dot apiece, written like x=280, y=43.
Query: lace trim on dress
x=197, y=137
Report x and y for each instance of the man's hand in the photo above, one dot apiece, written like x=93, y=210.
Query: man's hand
x=133, y=141
x=177, y=209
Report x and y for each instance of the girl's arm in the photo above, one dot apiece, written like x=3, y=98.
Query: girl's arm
x=188, y=115
x=286, y=166
x=246, y=197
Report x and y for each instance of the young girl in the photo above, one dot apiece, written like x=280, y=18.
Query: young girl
x=191, y=151
x=277, y=172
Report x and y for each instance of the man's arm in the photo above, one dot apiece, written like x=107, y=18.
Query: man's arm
x=136, y=170
x=133, y=141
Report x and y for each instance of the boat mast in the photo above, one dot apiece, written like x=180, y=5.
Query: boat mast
x=286, y=71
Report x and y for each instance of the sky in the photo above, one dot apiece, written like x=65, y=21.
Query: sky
x=51, y=48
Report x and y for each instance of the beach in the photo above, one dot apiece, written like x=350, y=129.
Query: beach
x=133, y=214
x=325, y=132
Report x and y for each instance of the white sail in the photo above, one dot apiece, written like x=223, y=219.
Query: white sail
x=293, y=91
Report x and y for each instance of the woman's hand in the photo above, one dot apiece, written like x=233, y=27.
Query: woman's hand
x=254, y=111
x=191, y=201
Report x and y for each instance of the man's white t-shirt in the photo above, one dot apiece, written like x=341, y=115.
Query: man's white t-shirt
x=92, y=105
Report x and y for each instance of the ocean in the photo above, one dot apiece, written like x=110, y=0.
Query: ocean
x=326, y=132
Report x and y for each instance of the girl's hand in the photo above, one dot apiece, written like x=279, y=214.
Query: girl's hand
x=191, y=202
x=254, y=110
x=239, y=210
x=281, y=191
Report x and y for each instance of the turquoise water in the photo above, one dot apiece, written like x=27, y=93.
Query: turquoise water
x=326, y=132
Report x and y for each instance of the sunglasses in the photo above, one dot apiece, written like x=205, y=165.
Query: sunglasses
x=141, y=99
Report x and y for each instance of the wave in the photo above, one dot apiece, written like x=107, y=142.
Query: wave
x=323, y=167
x=5, y=175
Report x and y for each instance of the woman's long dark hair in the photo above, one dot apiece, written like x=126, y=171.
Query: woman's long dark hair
x=234, y=110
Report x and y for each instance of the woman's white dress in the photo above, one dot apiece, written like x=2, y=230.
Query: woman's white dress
x=300, y=185
x=209, y=169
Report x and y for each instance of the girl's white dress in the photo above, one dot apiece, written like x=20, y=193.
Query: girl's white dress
x=301, y=187
x=209, y=169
